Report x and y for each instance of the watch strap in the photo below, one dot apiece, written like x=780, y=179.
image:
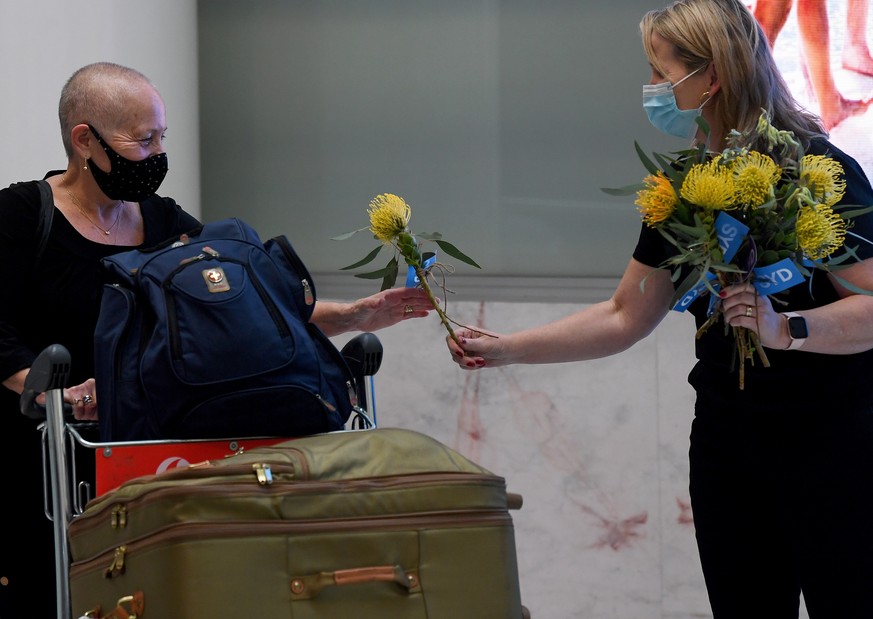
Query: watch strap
x=795, y=342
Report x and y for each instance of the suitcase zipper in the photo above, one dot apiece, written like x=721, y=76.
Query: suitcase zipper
x=117, y=512
x=240, y=478
x=297, y=265
x=114, y=562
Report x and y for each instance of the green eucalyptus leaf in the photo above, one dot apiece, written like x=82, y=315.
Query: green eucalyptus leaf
x=367, y=259
x=694, y=278
x=850, y=286
x=454, y=252
x=627, y=190
x=373, y=274
x=343, y=237
x=855, y=212
x=647, y=163
x=390, y=274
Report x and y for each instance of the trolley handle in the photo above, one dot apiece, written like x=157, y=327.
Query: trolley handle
x=49, y=371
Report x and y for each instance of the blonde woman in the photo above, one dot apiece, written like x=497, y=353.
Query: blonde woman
x=782, y=468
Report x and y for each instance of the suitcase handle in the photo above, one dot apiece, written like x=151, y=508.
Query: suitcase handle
x=135, y=607
x=309, y=586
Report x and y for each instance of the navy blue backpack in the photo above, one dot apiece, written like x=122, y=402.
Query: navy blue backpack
x=209, y=337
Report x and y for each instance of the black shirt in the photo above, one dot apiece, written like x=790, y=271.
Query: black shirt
x=59, y=301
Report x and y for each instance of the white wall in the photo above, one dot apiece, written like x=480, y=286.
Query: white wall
x=42, y=42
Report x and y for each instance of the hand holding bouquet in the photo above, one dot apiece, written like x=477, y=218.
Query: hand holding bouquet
x=768, y=218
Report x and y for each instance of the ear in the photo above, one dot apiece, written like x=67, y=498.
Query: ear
x=714, y=82
x=82, y=140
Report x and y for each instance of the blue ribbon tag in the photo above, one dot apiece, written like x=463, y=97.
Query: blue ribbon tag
x=777, y=277
x=428, y=260
x=730, y=234
x=768, y=280
x=689, y=297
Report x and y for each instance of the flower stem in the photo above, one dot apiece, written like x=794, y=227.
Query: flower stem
x=422, y=280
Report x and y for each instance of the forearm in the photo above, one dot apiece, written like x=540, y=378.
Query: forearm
x=16, y=381
x=600, y=330
x=333, y=318
x=840, y=328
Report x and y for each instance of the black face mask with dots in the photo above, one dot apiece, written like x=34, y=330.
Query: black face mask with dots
x=132, y=181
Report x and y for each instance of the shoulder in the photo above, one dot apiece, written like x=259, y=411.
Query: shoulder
x=164, y=218
x=22, y=194
x=19, y=210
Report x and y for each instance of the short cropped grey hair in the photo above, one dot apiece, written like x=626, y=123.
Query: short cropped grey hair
x=96, y=94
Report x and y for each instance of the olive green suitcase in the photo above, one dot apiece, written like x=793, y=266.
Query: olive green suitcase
x=384, y=523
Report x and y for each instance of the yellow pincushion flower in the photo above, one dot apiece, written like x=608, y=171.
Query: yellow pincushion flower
x=389, y=223
x=389, y=216
x=755, y=176
x=820, y=231
x=823, y=176
x=657, y=200
x=710, y=186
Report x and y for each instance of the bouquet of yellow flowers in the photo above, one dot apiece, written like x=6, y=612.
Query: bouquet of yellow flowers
x=743, y=215
x=389, y=223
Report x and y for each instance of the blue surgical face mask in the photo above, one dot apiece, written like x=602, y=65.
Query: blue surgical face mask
x=660, y=105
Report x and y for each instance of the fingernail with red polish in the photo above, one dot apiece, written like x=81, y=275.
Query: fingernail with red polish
x=480, y=362
x=722, y=294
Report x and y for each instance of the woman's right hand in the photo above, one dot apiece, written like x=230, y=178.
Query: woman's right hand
x=478, y=348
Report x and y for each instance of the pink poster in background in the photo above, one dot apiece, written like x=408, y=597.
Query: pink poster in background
x=822, y=48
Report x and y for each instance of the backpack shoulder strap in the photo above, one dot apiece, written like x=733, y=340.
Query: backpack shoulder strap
x=44, y=223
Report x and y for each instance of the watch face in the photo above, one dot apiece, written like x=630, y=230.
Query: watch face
x=797, y=328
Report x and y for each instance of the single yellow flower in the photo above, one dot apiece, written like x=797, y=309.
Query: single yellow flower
x=710, y=186
x=755, y=176
x=823, y=176
x=820, y=231
x=657, y=200
x=389, y=216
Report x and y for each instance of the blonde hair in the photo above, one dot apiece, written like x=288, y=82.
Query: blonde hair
x=725, y=33
x=97, y=94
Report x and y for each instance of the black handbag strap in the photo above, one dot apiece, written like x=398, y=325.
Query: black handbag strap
x=44, y=224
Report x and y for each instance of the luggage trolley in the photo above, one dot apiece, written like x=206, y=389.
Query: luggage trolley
x=115, y=463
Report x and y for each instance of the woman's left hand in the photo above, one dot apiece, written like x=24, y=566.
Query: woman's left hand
x=743, y=306
x=83, y=400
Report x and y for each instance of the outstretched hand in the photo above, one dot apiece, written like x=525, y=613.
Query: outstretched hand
x=478, y=348
x=372, y=313
x=389, y=307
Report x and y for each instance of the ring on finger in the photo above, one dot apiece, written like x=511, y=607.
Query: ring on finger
x=749, y=311
x=87, y=398
x=408, y=309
